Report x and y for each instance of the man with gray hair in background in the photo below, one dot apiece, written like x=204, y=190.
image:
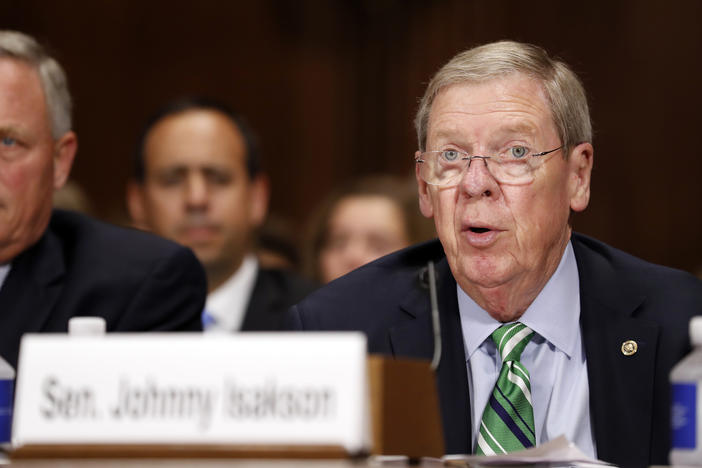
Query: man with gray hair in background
x=543, y=331
x=54, y=264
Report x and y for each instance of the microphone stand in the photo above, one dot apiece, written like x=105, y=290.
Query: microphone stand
x=435, y=323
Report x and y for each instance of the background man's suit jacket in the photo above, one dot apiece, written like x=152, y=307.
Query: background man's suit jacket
x=82, y=267
x=274, y=292
x=622, y=298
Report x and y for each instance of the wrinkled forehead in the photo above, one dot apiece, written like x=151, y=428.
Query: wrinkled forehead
x=22, y=96
x=21, y=84
x=515, y=103
x=194, y=137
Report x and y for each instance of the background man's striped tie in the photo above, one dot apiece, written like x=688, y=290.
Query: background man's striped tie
x=508, y=419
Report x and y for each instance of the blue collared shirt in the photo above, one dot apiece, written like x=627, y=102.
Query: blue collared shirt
x=555, y=358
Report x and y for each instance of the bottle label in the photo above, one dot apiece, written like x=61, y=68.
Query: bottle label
x=684, y=416
x=6, y=390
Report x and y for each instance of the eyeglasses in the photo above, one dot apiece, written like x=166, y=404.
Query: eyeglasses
x=515, y=165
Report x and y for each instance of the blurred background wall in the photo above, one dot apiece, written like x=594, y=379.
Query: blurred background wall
x=331, y=88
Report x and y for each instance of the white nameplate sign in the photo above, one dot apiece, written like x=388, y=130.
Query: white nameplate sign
x=251, y=389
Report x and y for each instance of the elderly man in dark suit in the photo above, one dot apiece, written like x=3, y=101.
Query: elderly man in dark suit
x=55, y=265
x=544, y=331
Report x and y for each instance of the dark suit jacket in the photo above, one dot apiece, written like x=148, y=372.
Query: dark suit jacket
x=274, y=292
x=134, y=280
x=622, y=298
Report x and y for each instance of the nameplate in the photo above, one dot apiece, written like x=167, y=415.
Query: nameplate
x=253, y=389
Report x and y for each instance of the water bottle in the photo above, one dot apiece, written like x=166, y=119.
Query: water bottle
x=686, y=410
x=7, y=387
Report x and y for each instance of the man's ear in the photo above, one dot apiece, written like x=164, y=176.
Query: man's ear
x=425, y=205
x=580, y=163
x=64, y=152
x=260, y=194
x=136, y=205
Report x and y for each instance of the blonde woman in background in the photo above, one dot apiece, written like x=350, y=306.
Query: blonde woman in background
x=368, y=218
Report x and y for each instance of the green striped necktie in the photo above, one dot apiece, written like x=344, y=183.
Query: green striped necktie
x=508, y=419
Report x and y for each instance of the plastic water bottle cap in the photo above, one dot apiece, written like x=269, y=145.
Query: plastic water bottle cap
x=86, y=326
x=6, y=370
x=696, y=330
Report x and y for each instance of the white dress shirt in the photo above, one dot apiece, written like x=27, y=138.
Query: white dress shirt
x=226, y=306
x=4, y=271
x=555, y=358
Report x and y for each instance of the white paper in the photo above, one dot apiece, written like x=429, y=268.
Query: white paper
x=559, y=451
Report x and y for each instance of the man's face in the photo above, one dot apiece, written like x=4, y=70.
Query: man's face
x=32, y=163
x=503, y=241
x=196, y=189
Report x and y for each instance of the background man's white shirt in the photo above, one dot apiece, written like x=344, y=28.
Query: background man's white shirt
x=226, y=306
x=4, y=271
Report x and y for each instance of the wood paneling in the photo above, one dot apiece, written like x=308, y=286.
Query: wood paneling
x=331, y=88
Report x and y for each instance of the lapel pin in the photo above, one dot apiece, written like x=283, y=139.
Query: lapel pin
x=629, y=347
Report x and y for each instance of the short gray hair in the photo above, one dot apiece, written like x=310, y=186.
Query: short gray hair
x=19, y=46
x=563, y=89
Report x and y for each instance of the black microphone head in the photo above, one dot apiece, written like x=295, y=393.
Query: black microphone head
x=423, y=278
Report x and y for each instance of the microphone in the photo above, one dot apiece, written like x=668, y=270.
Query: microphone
x=435, y=323
x=410, y=425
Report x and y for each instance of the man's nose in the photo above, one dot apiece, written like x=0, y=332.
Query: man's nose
x=477, y=180
x=196, y=192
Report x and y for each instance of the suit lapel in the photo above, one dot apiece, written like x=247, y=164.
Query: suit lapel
x=415, y=339
x=259, y=303
x=621, y=386
x=29, y=293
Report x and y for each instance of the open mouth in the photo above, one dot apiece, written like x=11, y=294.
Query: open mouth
x=481, y=236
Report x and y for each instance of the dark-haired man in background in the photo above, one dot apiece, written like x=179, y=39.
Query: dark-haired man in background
x=198, y=181
x=54, y=264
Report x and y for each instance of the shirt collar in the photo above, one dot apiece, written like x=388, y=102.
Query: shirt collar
x=554, y=314
x=227, y=304
x=4, y=271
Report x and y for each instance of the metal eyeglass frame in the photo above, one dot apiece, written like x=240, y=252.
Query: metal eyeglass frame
x=470, y=158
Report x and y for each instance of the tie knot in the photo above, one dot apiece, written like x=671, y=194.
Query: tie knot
x=511, y=339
